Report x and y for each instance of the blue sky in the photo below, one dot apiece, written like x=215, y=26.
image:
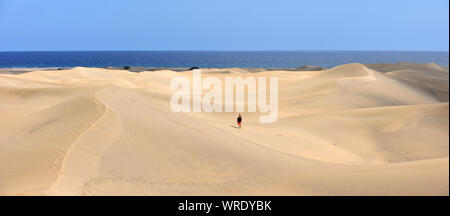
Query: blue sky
x=30, y=25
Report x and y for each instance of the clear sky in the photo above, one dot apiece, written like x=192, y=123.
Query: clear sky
x=42, y=25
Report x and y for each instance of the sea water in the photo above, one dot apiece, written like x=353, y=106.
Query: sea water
x=213, y=59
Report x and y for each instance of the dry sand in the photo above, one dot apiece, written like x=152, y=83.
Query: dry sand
x=350, y=130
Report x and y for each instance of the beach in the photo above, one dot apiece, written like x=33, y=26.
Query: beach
x=353, y=129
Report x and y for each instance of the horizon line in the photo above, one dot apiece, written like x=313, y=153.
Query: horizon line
x=224, y=50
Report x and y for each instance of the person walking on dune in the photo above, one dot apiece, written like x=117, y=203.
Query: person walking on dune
x=239, y=120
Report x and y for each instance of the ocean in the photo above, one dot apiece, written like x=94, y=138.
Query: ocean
x=213, y=59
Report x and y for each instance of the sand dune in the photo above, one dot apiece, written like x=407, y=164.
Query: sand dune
x=354, y=129
x=430, y=77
